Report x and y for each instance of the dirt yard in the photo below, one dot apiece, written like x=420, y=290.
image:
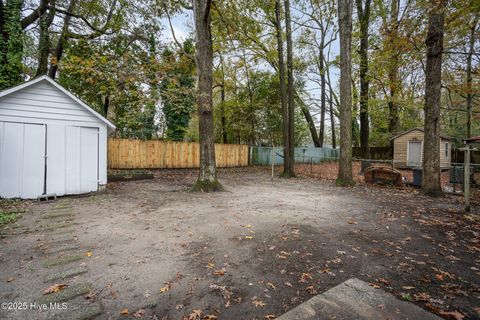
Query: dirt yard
x=150, y=249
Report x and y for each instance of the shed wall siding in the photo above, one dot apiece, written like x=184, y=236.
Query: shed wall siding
x=400, y=145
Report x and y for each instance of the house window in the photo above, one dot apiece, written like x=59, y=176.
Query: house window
x=446, y=150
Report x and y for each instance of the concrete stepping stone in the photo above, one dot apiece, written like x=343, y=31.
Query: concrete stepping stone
x=61, y=248
x=61, y=238
x=355, y=299
x=58, y=215
x=67, y=293
x=53, y=262
x=62, y=232
x=84, y=313
x=65, y=274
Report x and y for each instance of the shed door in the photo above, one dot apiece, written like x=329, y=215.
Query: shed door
x=414, y=153
x=81, y=160
x=88, y=159
x=22, y=160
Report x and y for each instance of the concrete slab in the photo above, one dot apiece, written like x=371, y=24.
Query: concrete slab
x=356, y=300
x=62, y=275
x=66, y=294
x=84, y=313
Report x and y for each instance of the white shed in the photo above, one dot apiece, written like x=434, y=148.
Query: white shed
x=51, y=142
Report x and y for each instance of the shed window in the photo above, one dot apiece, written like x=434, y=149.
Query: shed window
x=446, y=150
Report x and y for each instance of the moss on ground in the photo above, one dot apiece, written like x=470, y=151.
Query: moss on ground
x=207, y=186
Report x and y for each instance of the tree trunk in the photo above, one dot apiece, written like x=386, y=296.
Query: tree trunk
x=394, y=120
x=290, y=172
x=52, y=72
x=207, y=179
x=344, y=177
x=364, y=20
x=44, y=40
x=471, y=51
x=332, y=120
x=433, y=80
x=321, y=67
x=282, y=89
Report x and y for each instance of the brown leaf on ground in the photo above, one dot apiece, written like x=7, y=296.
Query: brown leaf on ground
x=55, y=288
x=166, y=288
x=305, y=277
x=456, y=315
x=195, y=315
x=139, y=313
x=259, y=303
x=381, y=280
x=311, y=290
x=270, y=317
x=210, y=317
x=422, y=296
x=220, y=272
x=10, y=279
x=373, y=285
x=271, y=285
x=124, y=312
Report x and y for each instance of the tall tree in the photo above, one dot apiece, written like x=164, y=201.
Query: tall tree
x=44, y=40
x=393, y=64
x=433, y=83
x=290, y=171
x=471, y=52
x=11, y=44
x=345, y=177
x=207, y=179
x=364, y=20
x=282, y=86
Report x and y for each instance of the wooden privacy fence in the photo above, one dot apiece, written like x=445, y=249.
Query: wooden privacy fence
x=155, y=154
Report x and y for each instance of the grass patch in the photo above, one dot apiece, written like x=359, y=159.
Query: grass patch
x=7, y=217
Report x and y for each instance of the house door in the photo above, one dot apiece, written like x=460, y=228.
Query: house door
x=22, y=160
x=414, y=153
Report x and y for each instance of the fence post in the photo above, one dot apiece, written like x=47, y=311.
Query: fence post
x=272, y=156
x=466, y=179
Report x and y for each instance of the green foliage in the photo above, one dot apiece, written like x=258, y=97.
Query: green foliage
x=11, y=46
x=118, y=80
x=8, y=216
x=177, y=90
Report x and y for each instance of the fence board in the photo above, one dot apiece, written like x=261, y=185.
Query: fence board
x=154, y=154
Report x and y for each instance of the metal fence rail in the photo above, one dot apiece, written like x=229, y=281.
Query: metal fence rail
x=265, y=155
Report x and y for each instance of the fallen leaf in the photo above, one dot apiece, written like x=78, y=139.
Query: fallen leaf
x=55, y=288
x=259, y=303
x=373, y=285
x=422, y=296
x=10, y=279
x=311, y=290
x=381, y=280
x=211, y=265
x=166, y=288
x=271, y=285
x=305, y=277
x=220, y=272
x=270, y=317
x=90, y=295
x=196, y=314
x=408, y=287
x=210, y=317
x=248, y=237
x=124, y=312
x=89, y=254
x=452, y=314
x=139, y=314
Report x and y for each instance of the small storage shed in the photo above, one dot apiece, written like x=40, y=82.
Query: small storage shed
x=51, y=142
x=408, y=149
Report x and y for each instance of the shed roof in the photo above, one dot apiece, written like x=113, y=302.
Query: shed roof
x=472, y=140
x=444, y=137
x=3, y=93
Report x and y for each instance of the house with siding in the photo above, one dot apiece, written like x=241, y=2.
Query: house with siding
x=408, y=149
